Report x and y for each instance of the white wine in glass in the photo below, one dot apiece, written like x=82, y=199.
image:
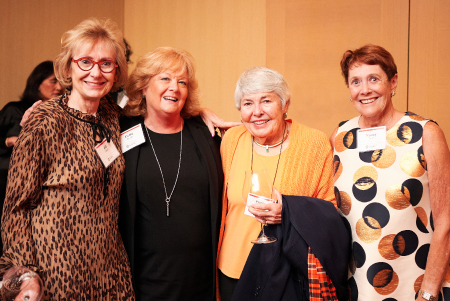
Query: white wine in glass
x=258, y=189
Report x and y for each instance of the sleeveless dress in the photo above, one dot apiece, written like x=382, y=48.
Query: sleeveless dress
x=384, y=196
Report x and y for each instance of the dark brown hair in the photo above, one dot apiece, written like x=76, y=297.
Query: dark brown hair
x=370, y=55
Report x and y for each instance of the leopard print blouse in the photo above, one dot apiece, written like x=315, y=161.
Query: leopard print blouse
x=56, y=218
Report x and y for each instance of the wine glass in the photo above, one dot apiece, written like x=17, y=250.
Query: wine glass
x=21, y=284
x=258, y=189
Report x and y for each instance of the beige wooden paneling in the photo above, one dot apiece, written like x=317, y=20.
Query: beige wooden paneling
x=30, y=32
x=224, y=36
x=430, y=61
x=306, y=40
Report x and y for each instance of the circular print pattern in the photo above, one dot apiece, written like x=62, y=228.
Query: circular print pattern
x=386, y=247
x=343, y=200
x=364, y=184
x=397, y=197
x=383, y=278
x=421, y=220
x=382, y=158
x=337, y=167
x=411, y=165
x=422, y=256
x=401, y=196
x=418, y=283
x=368, y=229
x=415, y=189
x=359, y=255
x=378, y=212
x=405, y=133
x=345, y=140
x=403, y=244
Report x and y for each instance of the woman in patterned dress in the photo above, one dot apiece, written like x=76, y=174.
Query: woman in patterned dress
x=61, y=208
x=392, y=184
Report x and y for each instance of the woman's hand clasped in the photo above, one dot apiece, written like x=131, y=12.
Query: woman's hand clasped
x=268, y=214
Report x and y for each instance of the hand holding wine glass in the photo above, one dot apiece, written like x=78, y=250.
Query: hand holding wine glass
x=269, y=214
x=258, y=195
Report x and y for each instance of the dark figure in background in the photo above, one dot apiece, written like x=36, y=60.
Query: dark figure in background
x=118, y=95
x=41, y=85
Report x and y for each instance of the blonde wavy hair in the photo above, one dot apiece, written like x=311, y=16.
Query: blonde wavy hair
x=89, y=32
x=156, y=62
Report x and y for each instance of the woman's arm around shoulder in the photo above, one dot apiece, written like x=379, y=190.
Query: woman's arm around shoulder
x=212, y=121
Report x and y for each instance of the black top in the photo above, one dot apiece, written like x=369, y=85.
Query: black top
x=173, y=253
x=10, y=117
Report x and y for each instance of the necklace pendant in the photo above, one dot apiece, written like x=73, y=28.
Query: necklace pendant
x=267, y=148
x=167, y=204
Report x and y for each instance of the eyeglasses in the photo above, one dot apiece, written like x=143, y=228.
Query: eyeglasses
x=86, y=64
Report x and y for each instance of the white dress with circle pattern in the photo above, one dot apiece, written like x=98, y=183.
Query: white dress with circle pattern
x=385, y=198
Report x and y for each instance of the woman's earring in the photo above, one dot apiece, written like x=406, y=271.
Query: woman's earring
x=143, y=97
x=285, y=115
x=393, y=93
x=351, y=99
x=241, y=121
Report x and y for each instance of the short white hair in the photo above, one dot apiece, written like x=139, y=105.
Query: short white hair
x=261, y=80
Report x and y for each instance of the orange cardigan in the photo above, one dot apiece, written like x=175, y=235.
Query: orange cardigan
x=308, y=169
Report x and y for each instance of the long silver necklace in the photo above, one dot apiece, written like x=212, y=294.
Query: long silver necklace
x=168, y=197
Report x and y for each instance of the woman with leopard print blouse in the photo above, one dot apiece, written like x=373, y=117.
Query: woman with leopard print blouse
x=62, y=200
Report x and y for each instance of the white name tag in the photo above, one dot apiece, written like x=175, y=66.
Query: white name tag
x=253, y=199
x=371, y=139
x=107, y=152
x=132, y=137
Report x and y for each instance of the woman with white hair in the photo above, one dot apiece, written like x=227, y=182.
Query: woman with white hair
x=298, y=161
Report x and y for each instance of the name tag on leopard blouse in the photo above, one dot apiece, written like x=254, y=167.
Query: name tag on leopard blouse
x=107, y=152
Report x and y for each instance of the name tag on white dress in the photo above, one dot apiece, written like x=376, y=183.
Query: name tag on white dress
x=132, y=137
x=371, y=139
x=255, y=199
x=107, y=152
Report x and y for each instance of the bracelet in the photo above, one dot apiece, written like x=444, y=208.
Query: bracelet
x=28, y=275
x=426, y=295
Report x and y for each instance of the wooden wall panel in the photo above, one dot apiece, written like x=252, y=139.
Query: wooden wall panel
x=430, y=61
x=30, y=32
x=305, y=43
x=224, y=36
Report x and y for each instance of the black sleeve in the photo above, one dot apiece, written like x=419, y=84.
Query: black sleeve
x=10, y=118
